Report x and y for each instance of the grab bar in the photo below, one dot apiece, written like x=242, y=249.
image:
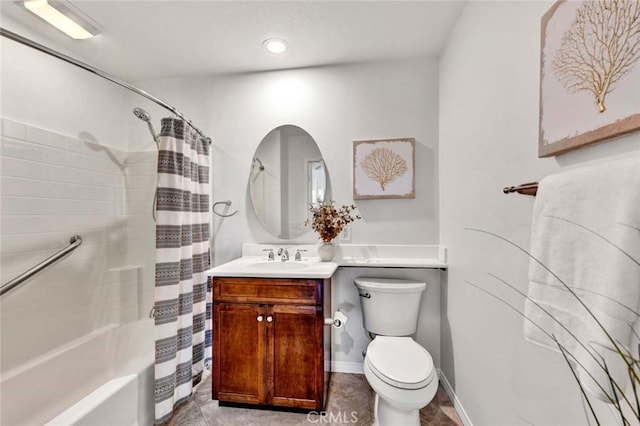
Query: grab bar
x=74, y=243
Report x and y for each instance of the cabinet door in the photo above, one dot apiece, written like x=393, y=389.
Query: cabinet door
x=239, y=353
x=295, y=356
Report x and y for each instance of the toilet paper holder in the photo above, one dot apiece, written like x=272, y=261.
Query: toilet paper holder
x=338, y=321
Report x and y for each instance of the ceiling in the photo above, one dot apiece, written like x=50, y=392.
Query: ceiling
x=146, y=40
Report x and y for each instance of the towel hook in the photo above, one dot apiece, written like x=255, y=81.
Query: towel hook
x=227, y=203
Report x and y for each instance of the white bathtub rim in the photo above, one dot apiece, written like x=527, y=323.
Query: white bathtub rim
x=122, y=350
x=91, y=402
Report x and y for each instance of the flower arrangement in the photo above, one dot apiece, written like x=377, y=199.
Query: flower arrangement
x=328, y=221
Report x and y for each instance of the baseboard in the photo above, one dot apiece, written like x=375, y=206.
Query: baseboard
x=347, y=367
x=454, y=399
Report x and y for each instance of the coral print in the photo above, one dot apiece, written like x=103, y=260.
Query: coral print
x=600, y=48
x=589, y=73
x=383, y=168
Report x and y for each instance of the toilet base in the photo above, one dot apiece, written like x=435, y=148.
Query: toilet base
x=399, y=407
x=389, y=415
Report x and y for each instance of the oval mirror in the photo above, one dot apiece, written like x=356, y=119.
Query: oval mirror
x=287, y=174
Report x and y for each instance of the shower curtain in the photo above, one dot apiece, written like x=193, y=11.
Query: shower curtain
x=182, y=308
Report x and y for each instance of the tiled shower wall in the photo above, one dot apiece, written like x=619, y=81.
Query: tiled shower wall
x=140, y=185
x=53, y=187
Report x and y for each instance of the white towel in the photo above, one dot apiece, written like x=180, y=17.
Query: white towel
x=569, y=208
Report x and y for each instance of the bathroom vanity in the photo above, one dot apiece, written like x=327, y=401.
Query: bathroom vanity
x=270, y=343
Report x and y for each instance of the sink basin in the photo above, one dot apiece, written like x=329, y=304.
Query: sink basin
x=260, y=267
x=278, y=266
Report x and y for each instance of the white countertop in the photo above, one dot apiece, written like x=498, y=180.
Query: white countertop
x=417, y=263
x=391, y=256
x=254, y=263
x=260, y=267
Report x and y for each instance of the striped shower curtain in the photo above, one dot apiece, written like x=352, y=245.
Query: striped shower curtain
x=182, y=307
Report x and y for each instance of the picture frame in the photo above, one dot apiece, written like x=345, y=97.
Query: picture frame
x=584, y=97
x=384, y=169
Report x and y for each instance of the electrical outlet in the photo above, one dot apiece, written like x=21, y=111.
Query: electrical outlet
x=345, y=235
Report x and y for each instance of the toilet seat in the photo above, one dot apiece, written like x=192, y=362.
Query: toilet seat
x=400, y=362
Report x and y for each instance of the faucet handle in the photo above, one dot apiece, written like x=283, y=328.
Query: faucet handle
x=270, y=256
x=299, y=254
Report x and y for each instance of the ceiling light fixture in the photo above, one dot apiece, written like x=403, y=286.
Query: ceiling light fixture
x=275, y=45
x=62, y=16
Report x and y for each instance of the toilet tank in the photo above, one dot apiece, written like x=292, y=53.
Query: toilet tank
x=390, y=307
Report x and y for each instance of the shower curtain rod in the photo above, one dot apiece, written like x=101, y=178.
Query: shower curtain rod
x=27, y=42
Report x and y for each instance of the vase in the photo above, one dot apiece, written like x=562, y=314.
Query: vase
x=326, y=251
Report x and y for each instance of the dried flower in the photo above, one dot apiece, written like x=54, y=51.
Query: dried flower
x=329, y=222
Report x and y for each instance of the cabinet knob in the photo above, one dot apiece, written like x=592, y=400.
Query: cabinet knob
x=269, y=318
x=259, y=318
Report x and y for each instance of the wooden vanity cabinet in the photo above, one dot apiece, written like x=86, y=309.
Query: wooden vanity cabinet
x=270, y=344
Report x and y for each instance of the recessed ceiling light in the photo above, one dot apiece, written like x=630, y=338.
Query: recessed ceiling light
x=275, y=45
x=62, y=16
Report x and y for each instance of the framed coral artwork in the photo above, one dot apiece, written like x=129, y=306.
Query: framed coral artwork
x=589, y=73
x=383, y=168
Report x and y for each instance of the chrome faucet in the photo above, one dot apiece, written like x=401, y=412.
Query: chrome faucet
x=284, y=253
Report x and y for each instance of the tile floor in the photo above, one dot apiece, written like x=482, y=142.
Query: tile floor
x=350, y=403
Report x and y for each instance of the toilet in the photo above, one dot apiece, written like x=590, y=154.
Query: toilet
x=399, y=370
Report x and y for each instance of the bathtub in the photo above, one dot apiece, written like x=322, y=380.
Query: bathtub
x=105, y=378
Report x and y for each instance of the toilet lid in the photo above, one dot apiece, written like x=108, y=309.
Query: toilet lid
x=400, y=362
